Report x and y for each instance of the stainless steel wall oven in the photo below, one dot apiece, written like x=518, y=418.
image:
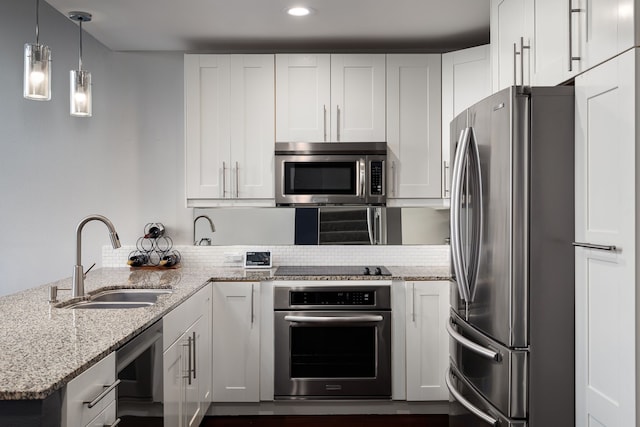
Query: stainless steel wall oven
x=332, y=342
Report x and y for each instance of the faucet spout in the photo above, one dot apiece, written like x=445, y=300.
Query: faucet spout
x=78, y=271
x=213, y=227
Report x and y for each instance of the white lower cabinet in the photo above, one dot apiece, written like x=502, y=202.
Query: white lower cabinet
x=186, y=361
x=427, y=343
x=87, y=396
x=236, y=342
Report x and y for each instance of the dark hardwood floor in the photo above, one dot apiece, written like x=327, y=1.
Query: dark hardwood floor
x=329, y=420
x=308, y=421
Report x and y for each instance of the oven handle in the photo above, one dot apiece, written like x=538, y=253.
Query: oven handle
x=334, y=319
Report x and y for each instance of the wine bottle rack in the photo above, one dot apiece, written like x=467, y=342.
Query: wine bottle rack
x=154, y=249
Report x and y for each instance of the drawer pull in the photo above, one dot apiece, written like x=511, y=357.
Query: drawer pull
x=486, y=352
x=115, y=423
x=101, y=396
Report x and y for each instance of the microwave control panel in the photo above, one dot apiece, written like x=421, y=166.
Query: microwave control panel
x=377, y=173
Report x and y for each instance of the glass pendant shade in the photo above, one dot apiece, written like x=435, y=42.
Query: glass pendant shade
x=37, y=72
x=80, y=93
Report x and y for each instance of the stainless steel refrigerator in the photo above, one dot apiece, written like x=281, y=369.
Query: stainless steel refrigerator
x=511, y=323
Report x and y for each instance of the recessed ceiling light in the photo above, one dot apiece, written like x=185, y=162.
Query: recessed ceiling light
x=299, y=11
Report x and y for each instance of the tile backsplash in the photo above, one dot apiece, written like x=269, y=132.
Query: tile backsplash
x=232, y=256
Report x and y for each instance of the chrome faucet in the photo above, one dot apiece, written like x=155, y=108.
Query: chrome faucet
x=213, y=229
x=77, y=288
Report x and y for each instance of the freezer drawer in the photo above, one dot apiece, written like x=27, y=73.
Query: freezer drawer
x=470, y=409
x=500, y=374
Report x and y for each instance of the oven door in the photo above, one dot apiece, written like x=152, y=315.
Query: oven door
x=332, y=354
x=320, y=179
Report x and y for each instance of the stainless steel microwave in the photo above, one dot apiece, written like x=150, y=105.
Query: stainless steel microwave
x=326, y=173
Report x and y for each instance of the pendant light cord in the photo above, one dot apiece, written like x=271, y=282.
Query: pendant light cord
x=37, y=21
x=80, y=55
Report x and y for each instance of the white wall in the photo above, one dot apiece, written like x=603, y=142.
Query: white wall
x=126, y=162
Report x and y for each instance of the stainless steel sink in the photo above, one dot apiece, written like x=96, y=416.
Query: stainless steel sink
x=109, y=305
x=121, y=298
x=130, y=295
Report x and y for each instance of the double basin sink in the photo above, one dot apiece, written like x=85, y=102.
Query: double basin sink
x=121, y=298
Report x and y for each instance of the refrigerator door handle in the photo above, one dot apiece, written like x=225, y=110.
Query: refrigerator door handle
x=456, y=200
x=474, y=267
x=468, y=406
x=476, y=348
x=370, y=226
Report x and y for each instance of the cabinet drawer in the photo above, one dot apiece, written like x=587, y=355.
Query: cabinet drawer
x=85, y=388
x=180, y=318
x=105, y=418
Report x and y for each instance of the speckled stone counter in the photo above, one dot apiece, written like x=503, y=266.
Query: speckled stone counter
x=44, y=347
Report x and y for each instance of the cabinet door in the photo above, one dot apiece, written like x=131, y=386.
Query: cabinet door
x=466, y=79
x=303, y=89
x=236, y=342
x=358, y=98
x=427, y=340
x=252, y=126
x=606, y=29
x=509, y=23
x=174, y=384
x=203, y=351
x=605, y=215
x=413, y=117
x=207, y=131
x=550, y=42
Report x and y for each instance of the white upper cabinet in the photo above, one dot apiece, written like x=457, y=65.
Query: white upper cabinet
x=466, y=79
x=604, y=28
x=553, y=42
x=358, y=98
x=330, y=98
x=229, y=129
x=511, y=35
x=207, y=125
x=547, y=42
x=303, y=97
x=413, y=121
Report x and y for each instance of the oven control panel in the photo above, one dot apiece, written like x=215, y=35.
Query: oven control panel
x=333, y=298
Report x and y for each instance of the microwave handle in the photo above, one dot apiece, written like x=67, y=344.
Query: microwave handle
x=363, y=178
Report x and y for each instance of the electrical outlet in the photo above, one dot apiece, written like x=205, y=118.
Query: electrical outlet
x=233, y=257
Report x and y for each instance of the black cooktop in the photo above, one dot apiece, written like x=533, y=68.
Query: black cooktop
x=332, y=270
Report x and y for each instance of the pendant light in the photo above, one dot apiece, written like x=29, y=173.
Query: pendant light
x=80, y=95
x=37, y=67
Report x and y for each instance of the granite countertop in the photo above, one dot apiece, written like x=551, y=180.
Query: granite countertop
x=44, y=346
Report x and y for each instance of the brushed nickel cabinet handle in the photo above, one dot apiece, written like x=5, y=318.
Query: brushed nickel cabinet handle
x=571, y=57
x=324, y=118
x=194, y=355
x=102, y=395
x=608, y=248
x=115, y=423
x=224, y=180
x=237, y=182
x=338, y=123
x=522, y=48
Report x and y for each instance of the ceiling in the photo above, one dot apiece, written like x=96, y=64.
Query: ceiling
x=255, y=25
